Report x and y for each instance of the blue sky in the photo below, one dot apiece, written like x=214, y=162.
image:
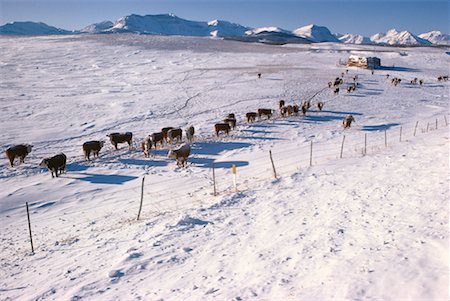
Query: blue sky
x=340, y=16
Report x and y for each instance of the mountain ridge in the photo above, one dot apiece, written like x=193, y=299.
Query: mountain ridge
x=170, y=24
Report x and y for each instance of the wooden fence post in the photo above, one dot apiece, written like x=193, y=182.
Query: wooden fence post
x=342, y=145
x=415, y=128
x=233, y=169
x=401, y=128
x=142, y=198
x=273, y=165
x=310, y=154
x=29, y=229
x=428, y=126
x=365, y=144
x=385, y=138
x=214, y=179
x=436, y=124
x=446, y=122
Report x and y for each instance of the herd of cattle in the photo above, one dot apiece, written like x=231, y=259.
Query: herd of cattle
x=57, y=163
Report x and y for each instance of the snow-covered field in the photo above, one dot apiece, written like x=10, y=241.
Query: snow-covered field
x=361, y=227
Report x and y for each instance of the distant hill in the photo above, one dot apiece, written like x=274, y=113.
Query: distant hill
x=31, y=28
x=316, y=33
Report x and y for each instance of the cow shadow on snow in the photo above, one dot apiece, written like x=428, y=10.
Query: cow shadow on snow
x=380, y=127
x=205, y=149
x=105, y=179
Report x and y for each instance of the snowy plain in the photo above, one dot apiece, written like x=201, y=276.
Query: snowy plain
x=361, y=227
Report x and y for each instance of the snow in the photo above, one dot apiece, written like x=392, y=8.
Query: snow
x=316, y=33
x=372, y=227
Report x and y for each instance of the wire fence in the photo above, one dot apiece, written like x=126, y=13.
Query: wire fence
x=204, y=189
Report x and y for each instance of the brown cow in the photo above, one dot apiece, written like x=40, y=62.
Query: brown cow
x=164, y=131
x=222, y=127
x=20, y=150
x=266, y=112
x=320, y=105
x=92, y=146
x=55, y=164
x=281, y=103
x=146, y=146
x=175, y=134
x=190, y=134
x=157, y=137
x=120, y=138
x=231, y=115
x=181, y=154
x=336, y=91
x=231, y=122
x=251, y=116
x=347, y=122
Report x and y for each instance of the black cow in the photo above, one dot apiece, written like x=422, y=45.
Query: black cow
x=55, y=164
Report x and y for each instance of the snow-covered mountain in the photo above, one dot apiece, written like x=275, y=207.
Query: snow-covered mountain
x=272, y=37
x=31, y=28
x=97, y=27
x=169, y=24
x=436, y=37
x=316, y=33
x=394, y=37
x=354, y=39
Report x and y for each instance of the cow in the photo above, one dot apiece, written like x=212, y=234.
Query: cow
x=222, y=127
x=336, y=91
x=296, y=109
x=190, y=134
x=304, y=109
x=387, y=76
x=259, y=75
x=92, y=146
x=164, y=131
x=281, y=104
x=330, y=84
x=231, y=115
x=175, y=134
x=146, y=146
x=346, y=123
x=266, y=112
x=20, y=150
x=181, y=154
x=320, y=105
x=251, y=116
x=55, y=164
x=307, y=104
x=231, y=122
x=157, y=137
x=120, y=138
x=421, y=82
x=284, y=111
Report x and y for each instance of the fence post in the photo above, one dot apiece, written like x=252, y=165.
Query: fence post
x=401, y=128
x=436, y=124
x=342, y=146
x=445, y=118
x=273, y=165
x=214, y=179
x=428, y=126
x=385, y=138
x=310, y=154
x=415, y=128
x=365, y=144
x=142, y=198
x=29, y=229
x=233, y=169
